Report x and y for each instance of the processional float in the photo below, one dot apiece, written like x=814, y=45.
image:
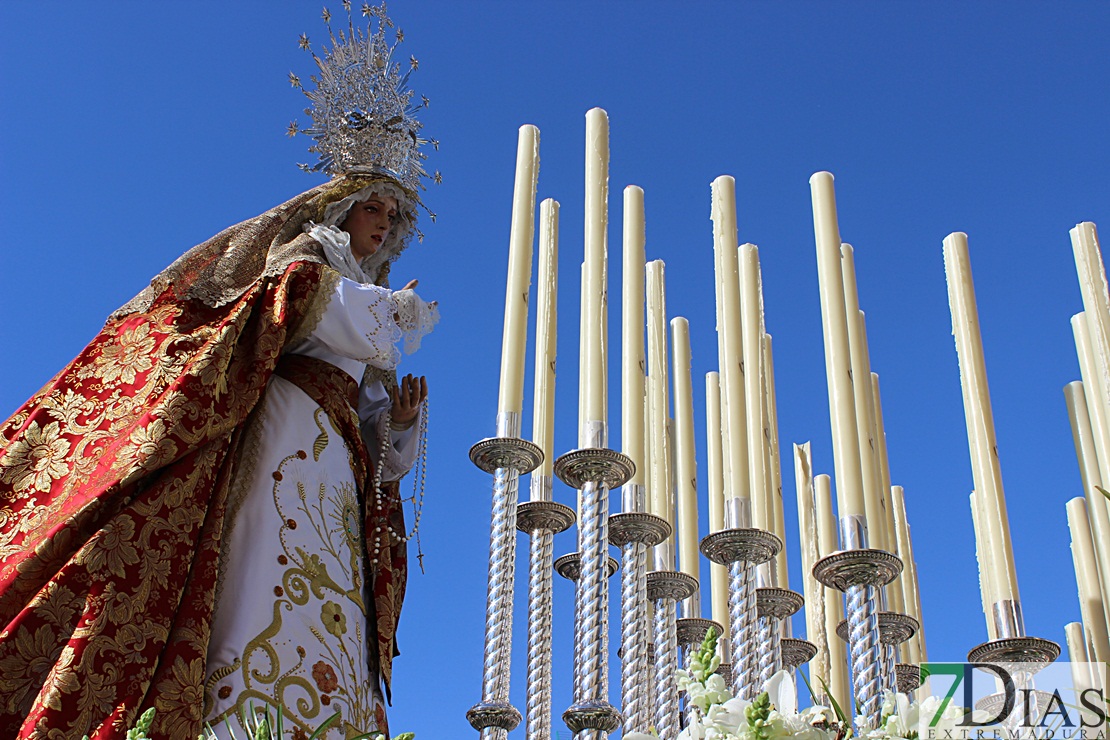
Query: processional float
x=860, y=578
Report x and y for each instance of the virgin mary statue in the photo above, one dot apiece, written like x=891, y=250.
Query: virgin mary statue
x=200, y=513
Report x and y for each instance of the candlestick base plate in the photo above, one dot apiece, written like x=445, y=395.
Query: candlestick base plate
x=740, y=545
x=907, y=677
x=795, y=652
x=493, y=714
x=993, y=704
x=846, y=568
x=594, y=465
x=1015, y=650
x=670, y=584
x=532, y=516
x=592, y=715
x=894, y=628
x=691, y=631
x=777, y=603
x=569, y=566
x=506, y=452
x=638, y=527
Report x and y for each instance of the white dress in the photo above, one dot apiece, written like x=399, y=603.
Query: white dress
x=293, y=620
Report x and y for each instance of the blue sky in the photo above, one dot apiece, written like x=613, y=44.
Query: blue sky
x=134, y=130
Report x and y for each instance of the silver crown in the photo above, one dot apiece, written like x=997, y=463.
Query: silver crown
x=363, y=114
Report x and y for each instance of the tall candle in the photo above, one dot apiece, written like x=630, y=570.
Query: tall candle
x=685, y=479
x=986, y=583
x=774, y=462
x=718, y=574
x=808, y=537
x=596, y=220
x=1092, y=603
x=834, y=600
x=583, y=330
x=980, y=420
x=632, y=333
x=900, y=591
x=838, y=359
x=514, y=340
x=543, y=404
x=873, y=498
x=879, y=435
x=662, y=503
x=1096, y=304
x=751, y=321
x=1079, y=654
x=1086, y=451
x=730, y=351
x=895, y=591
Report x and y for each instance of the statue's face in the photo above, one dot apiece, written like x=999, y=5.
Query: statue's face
x=369, y=223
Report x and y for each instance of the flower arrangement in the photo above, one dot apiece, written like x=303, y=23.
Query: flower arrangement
x=714, y=714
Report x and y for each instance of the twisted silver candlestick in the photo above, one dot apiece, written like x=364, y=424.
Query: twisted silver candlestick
x=742, y=550
x=666, y=588
x=506, y=456
x=542, y=520
x=860, y=573
x=634, y=532
x=593, y=471
x=772, y=606
x=894, y=629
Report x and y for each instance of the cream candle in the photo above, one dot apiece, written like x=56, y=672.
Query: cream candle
x=718, y=574
x=514, y=340
x=1092, y=602
x=733, y=406
x=873, y=498
x=839, y=684
x=596, y=221
x=1096, y=306
x=982, y=443
x=685, y=478
x=838, y=360
x=751, y=321
x=986, y=584
x=543, y=404
x=662, y=502
x=774, y=463
x=632, y=333
x=1087, y=453
x=808, y=536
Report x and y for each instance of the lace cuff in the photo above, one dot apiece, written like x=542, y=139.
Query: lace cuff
x=415, y=317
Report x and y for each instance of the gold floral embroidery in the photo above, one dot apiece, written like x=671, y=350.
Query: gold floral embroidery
x=36, y=459
x=121, y=360
x=116, y=549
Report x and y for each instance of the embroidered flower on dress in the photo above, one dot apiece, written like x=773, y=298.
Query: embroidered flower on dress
x=335, y=621
x=324, y=676
x=130, y=356
x=36, y=459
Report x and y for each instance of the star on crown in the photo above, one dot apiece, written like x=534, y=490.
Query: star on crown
x=362, y=109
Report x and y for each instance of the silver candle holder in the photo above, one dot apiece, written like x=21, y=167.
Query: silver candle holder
x=593, y=471
x=635, y=532
x=666, y=588
x=741, y=550
x=772, y=606
x=894, y=629
x=506, y=456
x=908, y=676
x=860, y=573
x=796, y=652
x=541, y=519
